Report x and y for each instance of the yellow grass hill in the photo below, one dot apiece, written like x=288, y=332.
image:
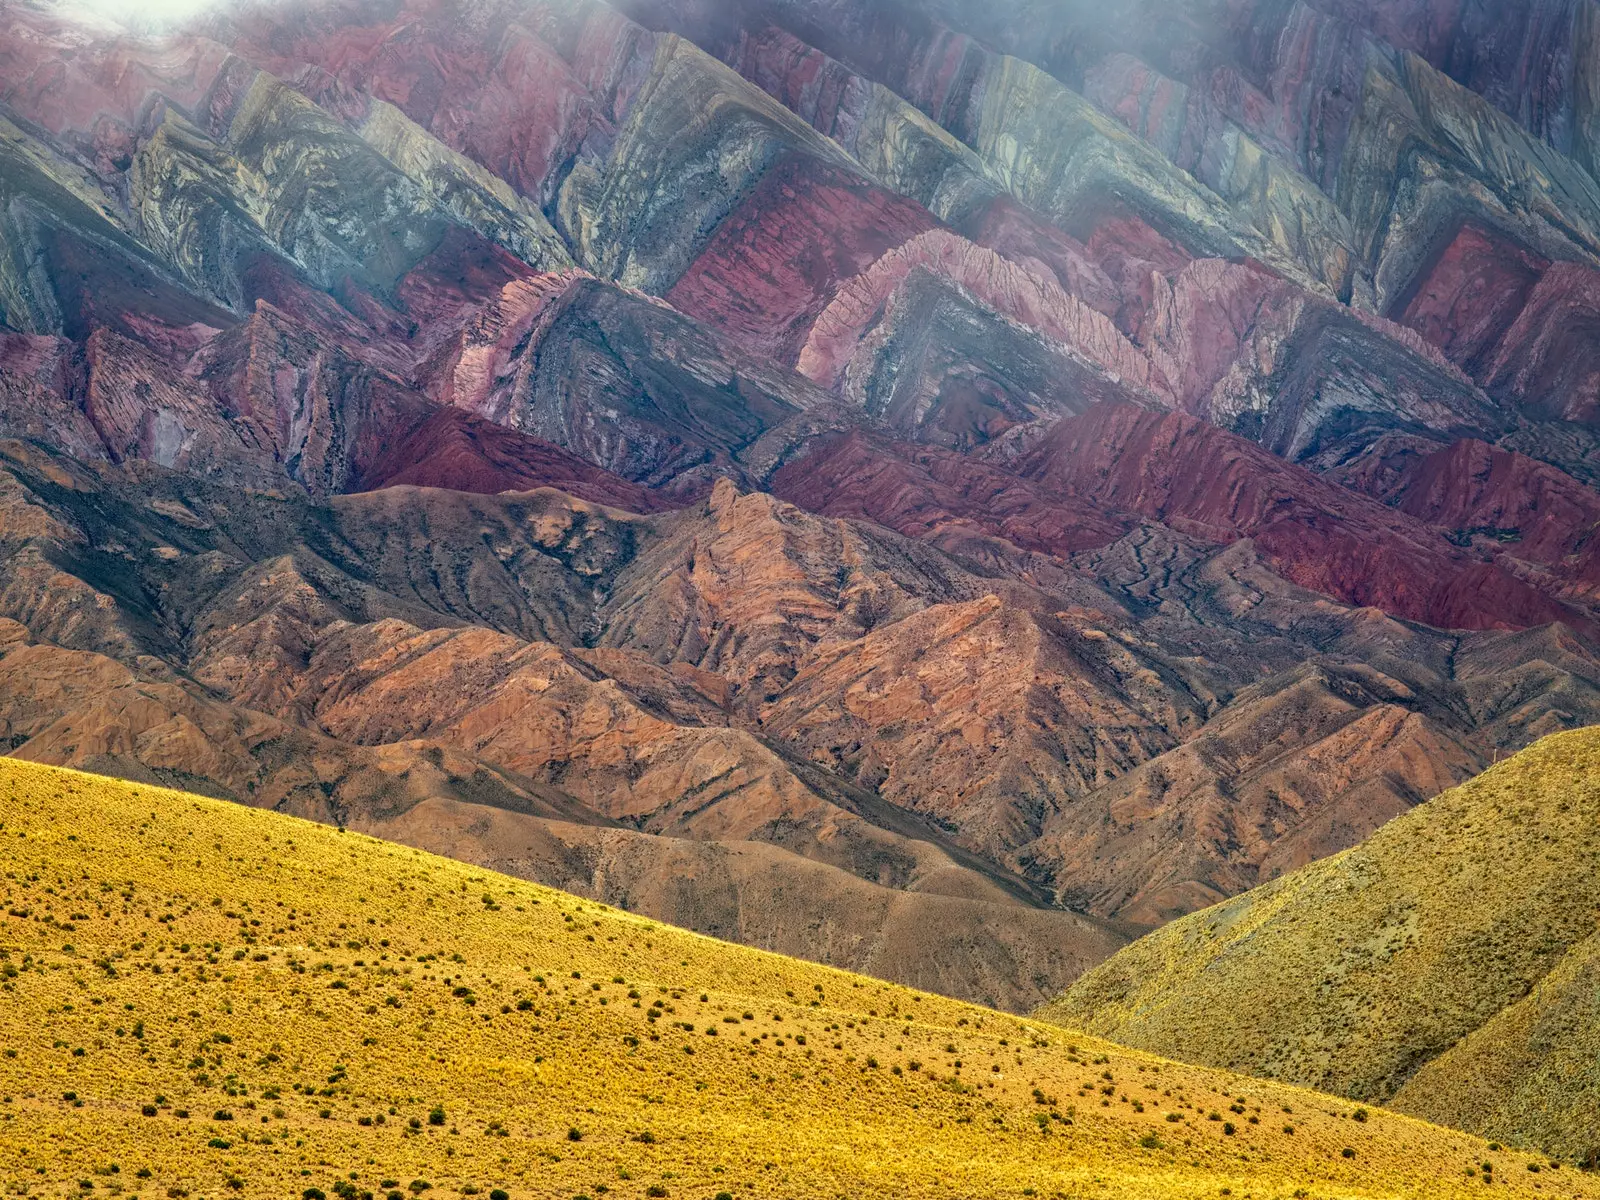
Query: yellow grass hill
x=1448, y=967
x=202, y=1000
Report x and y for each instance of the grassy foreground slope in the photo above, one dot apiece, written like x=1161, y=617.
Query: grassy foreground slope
x=204, y=1000
x=1448, y=966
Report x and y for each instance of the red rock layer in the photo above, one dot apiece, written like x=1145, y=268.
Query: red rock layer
x=774, y=264
x=1193, y=476
x=925, y=491
x=454, y=449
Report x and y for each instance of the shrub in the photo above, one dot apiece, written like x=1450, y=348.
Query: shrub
x=1347, y=1152
x=499, y=1194
x=436, y=1115
x=574, y=1134
x=313, y=1193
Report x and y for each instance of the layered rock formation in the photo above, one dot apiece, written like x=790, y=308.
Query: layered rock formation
x=705, y=455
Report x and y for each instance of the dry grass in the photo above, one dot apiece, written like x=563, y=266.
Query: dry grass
x=1449, y=964
x=202, y=1000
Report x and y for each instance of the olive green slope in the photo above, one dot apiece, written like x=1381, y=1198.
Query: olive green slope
x=200, y=1000
x=1448, y=966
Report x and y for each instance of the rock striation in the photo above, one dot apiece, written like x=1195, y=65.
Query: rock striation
x=1019, y=486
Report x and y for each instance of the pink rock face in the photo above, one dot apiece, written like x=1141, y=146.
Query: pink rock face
x=142, y=411
x=1229, y=327
x=1162, y=111
x=1524, y=327
x=778, y=260
x=68, y=79
x=518, y=112
x=1008, y=288
x=1204, y=318
x=822, y=90
x=1132, y=254
x=1014, y=232
x=40, y=359
x=40, y=376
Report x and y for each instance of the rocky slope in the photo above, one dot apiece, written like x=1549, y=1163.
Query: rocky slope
x=1445, y=966
x=706, y=455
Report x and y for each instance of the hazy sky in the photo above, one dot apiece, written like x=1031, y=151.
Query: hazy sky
x=139, y=13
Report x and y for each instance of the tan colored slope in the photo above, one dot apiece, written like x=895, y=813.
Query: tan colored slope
x=201, y=999
x=1294, y=769
x=80, y=709
x=984, y=946
x=1448, y=963
x=748, y=587
x=952, y=928
x=468, y=621
x=632, y=740
x=987, y=716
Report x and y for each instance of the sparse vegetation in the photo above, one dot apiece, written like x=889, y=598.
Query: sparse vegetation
x=1424, y=969
x=161, y=888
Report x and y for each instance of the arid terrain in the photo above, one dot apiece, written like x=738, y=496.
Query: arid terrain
x=857, y=479
x=254, y=1005
x=1445, y=967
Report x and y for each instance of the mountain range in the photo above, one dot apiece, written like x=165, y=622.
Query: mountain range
x=936, y=489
